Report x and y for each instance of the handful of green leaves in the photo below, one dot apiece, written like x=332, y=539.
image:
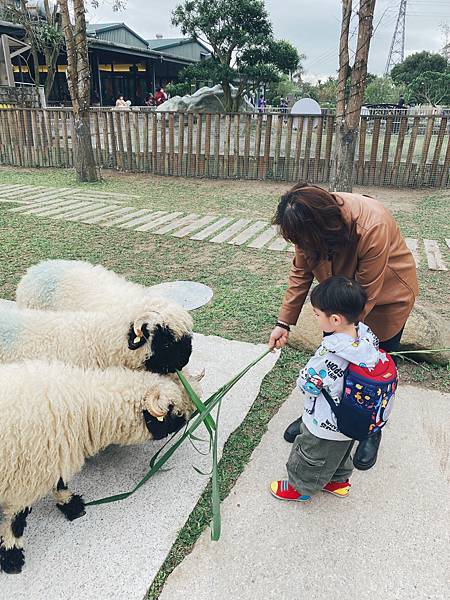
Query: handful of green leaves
x=201, y=415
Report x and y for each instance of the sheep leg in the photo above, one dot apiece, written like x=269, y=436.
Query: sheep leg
x=71, y=505
x=12, y=557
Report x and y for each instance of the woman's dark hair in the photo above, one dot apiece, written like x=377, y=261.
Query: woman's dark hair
x=311, y=218
x=340, y=296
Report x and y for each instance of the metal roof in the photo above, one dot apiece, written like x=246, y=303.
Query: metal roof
x=163, y=43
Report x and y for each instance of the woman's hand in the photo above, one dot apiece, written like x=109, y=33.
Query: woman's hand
x=278, y=338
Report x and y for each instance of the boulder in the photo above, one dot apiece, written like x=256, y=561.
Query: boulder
x=204, y=100
x=424, y=330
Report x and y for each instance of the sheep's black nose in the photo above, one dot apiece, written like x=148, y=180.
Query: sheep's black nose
x=161, y=429
x=168, y=352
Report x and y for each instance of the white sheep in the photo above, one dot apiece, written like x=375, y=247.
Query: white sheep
x=54, y=416
x=159, y=340
x=76, y=285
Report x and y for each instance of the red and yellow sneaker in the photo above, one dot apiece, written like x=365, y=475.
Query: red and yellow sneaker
x=338, y=488
x=283, y=490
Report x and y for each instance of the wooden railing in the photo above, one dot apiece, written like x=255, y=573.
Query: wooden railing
x=392, y=150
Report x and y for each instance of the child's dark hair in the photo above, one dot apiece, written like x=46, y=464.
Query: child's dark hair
x=341, y=296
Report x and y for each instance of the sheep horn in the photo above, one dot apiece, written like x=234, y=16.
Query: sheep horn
x=140, y=322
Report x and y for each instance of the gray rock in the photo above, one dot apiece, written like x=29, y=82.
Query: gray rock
x=424, y=330
x=204, y=100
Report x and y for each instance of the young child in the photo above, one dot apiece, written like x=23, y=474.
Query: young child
x=320, y=458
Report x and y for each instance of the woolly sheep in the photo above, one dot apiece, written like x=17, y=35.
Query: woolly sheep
x=135, y=337
x=76, y=285
x=54, y=416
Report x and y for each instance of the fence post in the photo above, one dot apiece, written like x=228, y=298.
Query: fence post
x=267, y=141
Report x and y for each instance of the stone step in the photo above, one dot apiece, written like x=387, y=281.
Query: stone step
x=220, y=224
x=413, y=245
x=85, y=210
x=265, y=237
x=66, y=211
x=160, y=221
x=132, y=213
x=44, y=210
x=113, y=212
x=434, y=256
x=248, y=233
x=228, y=233
x=186, y=220
x=150, y=217
x=278, y=244
x=195, y=226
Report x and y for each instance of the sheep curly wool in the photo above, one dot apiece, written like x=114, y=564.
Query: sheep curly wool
x=64, y=285
x=56, y=415
x=135, y=337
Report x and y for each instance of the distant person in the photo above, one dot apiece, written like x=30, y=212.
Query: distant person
x=149, y=100
x=261, y=104
x=120, y=102
x=160, y=96
x=401, y=102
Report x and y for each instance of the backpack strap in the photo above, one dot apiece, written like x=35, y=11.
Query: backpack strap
x=334, y=407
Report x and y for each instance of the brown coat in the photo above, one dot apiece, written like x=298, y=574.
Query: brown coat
x=376, y=256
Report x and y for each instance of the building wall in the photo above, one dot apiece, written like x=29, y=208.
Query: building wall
x=191, y=50
x=121, y=36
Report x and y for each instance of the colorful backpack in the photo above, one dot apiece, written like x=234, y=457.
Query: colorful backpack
x=367, y=399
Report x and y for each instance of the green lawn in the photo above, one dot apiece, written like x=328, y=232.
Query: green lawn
x=248, y=285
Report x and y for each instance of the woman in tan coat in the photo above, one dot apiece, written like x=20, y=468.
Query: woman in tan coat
x=351, y=235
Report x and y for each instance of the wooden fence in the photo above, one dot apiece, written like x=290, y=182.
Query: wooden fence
x=392, y=150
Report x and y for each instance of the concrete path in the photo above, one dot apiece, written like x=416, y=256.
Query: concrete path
x=115, y=551
x=104, y=209
x=388, y=539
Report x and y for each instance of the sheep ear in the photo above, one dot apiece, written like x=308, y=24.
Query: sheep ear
x=151, y=404
x=137, y=335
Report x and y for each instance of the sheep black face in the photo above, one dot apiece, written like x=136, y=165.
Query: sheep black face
x=161, y=429
x=168, y=353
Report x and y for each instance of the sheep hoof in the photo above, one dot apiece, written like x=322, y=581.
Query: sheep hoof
x=12, y=560
x=74, y=508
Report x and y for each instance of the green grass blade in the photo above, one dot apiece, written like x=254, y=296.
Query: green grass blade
x=209, y=421
x=215, y=489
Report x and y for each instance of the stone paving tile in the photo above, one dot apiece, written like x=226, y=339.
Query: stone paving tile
x=151, y=217
x=220, y=224
x=413, y=245
x=127, y=217
x=97, y=213
x=176, y=224
x=248, y=233
x=81, y=210
x=196, y=225
x=265, y=237
x=44, y=210
x=33, y=206
x=228, y=233
x=65, y=211
x=160, y=221
x=278, y=244
x=434, y=256
x=88, y=211
x=113, y=212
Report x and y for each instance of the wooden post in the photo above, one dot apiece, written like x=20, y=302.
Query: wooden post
x=180, y=143
x=328, y=147
x=120, y=146
x=257, y=164
x=236, y=150
x=298, y=146
x=107, y=153
x=190, y=145
x=137, y=143
x=318, y=149
x=361, y=175
x=444, y=179
x=437, y=150
x=37, y=140
x=308, y=140
x=98, y=143
x=198, y=147
x=129, y=141
x=217, y=127
x=276, y=156
x=267, y=141
x=226, y=149
x=425, y=149
x=155, y=168
x=207, y=144
x=409, y=158
x=163, y=144
x=398, y=150
x=247, y=135
x=171, y=144
x=374, y=149
x=146, y=158
x=386, y=149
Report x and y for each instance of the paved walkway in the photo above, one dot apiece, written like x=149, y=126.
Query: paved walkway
x=106, y=209
x=388, y=539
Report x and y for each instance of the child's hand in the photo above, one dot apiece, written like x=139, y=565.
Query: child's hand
x=278, y=338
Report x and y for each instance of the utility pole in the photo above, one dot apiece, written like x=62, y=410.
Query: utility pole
x=397, y=50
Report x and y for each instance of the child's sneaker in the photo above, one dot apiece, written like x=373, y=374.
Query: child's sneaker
x=283, y=490
x=338, y=488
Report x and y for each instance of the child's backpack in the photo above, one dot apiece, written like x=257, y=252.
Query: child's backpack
x=367, y=398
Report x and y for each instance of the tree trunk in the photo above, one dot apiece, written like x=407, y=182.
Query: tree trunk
x=227, y=97
x=78, y=79
x=348, y=110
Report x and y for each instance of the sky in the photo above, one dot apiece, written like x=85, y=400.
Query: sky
x=312, y=26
